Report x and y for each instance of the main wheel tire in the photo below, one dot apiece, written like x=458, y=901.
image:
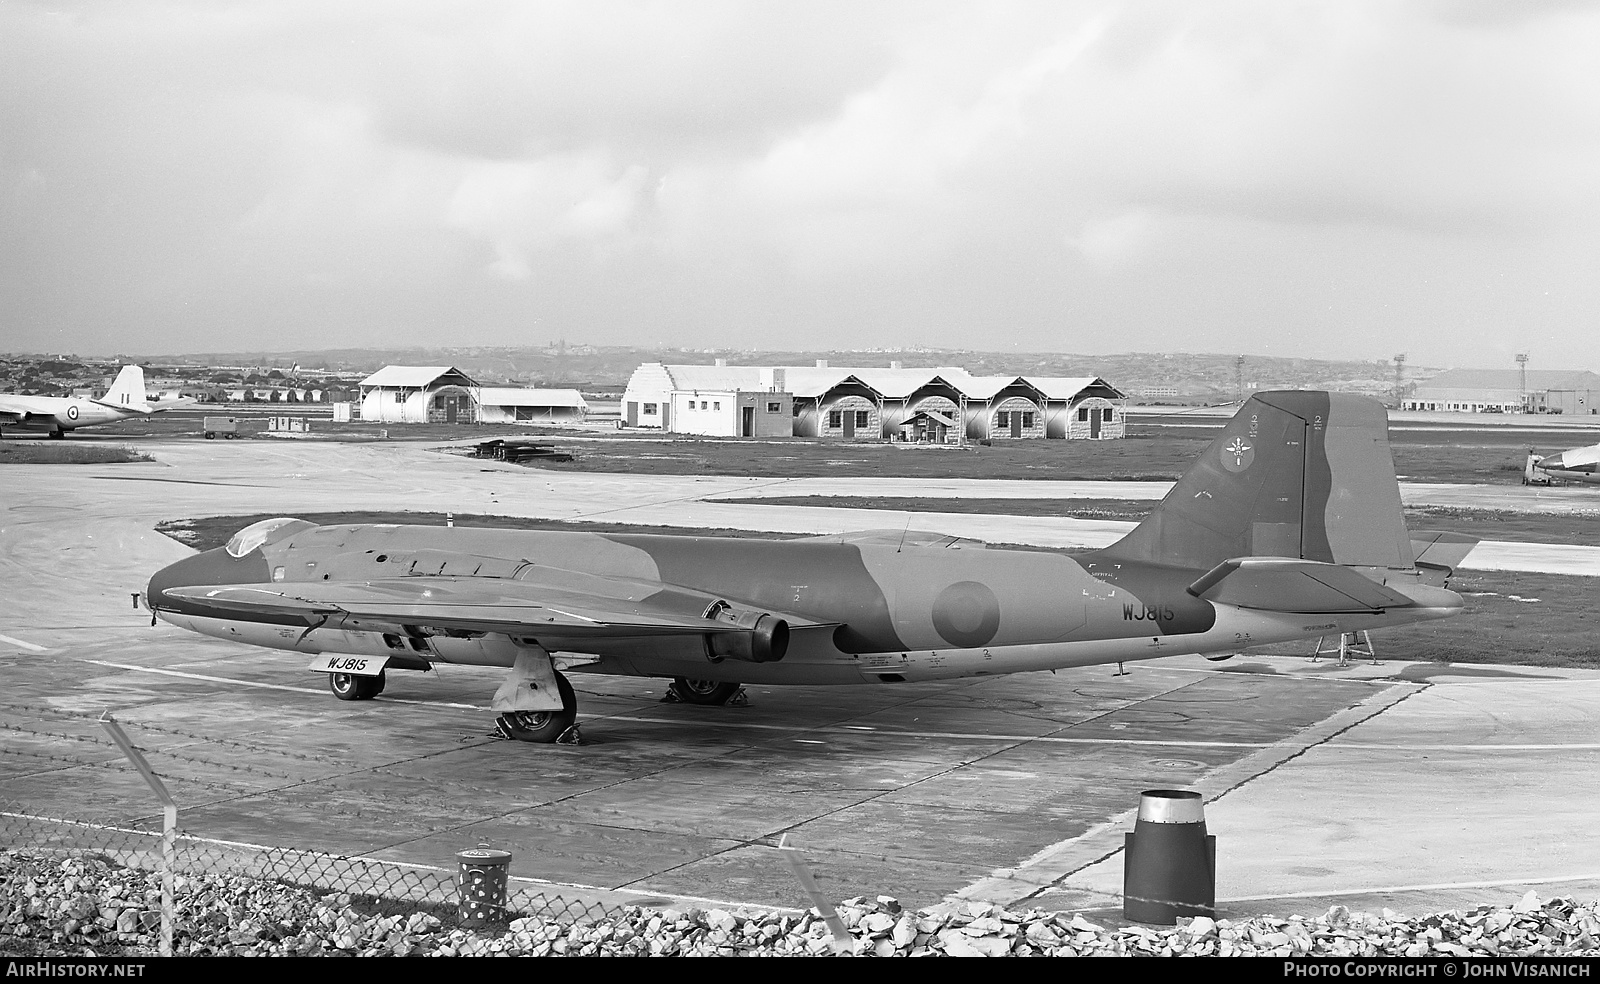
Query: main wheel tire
x=348, y=686
x=707, y=692
x=210, y=436
x=543, y=727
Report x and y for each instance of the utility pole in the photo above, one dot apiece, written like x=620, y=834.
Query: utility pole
x=1522, y=364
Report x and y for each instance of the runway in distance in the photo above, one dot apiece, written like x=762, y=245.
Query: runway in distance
x=1571, y=465
x=1289, y=526
x=59, y=414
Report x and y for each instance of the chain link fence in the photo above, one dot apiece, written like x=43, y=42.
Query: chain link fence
x=73, y=801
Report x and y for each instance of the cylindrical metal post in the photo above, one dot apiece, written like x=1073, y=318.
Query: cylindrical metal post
x=1170, y=863
x=481, y=884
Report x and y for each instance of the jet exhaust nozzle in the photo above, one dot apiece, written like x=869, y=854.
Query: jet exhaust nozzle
x=765, y=639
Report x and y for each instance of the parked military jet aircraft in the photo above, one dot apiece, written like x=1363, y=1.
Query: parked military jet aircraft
x=59, y=414
x=1288, y=527
x=1571, y=465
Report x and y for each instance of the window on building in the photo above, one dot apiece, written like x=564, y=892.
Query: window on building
x=715, y=405
x=1003, y=418
x=774, y=408
x=1083, y=414
x=861, y=419
x=1109, y=414
x=1027, y=420
x=649, y=409
x=399, y=397
x=835, y=418
x=703, y=405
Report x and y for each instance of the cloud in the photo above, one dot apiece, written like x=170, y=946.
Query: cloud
x=948, y=170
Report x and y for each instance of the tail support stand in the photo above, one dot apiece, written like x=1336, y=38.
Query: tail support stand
x=1356, y=643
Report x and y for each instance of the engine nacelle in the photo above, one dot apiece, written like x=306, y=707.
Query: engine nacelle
x=764, y=637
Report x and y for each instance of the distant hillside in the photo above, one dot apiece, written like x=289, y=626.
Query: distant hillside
x=1192, y=377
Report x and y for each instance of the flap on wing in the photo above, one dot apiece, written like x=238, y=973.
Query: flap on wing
x=1287, y=584
x=477, y=604
x=901, y=538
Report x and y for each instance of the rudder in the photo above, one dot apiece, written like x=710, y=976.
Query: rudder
x=1295, y=473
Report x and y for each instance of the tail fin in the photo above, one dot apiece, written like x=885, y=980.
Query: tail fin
x=1294, y=474
x=128, y=389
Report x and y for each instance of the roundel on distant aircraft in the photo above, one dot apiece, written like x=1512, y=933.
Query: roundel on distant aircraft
x=966, y=614
x=1237, y=454
x=72, y=411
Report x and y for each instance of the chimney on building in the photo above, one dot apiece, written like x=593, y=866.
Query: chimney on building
x=780, y=379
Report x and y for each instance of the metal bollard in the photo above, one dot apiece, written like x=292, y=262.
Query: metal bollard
x=481, y=884
x=1170, y=862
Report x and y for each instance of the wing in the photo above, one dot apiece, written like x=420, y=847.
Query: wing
x=483, y=605
x=16, y=410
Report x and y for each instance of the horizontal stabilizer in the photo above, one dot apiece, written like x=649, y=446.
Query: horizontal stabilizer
x=1285, y=584
x=460, y=603
x=1441, y=549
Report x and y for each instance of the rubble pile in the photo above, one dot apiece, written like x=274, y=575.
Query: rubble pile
x=83, y=906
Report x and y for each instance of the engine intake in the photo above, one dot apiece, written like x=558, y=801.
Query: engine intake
x=764, y=639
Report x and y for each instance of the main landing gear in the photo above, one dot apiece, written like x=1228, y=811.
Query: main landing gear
x=542, y=727
x=348, y=686
x=711, y=693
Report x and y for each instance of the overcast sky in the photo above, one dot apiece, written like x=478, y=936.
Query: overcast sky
x=1336, y=179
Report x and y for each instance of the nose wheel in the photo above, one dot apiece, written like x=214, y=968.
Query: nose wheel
x=348, y=686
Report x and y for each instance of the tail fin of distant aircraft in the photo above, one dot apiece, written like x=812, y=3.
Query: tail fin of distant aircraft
x=1306, y=475
x=127, y=392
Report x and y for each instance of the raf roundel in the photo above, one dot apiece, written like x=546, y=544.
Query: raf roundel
x=1237, y=454
x=966, y=614
x=72, y=412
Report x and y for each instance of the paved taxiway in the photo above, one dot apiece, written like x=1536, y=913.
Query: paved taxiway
x=1406, y=785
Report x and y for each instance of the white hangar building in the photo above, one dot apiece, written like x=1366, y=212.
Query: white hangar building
x=943, y=405
x=511, y=405
x=1501, y=391
x=419, y=395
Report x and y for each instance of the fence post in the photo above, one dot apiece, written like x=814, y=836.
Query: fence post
x=836, y=928
x=169, y=823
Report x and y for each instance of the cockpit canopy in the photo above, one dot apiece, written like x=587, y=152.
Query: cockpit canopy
x=265, y=532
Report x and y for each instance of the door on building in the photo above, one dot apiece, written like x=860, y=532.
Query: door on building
x=1094, y=422
x=633, y=413
x=1016, y=424
x=747, y=421
x=450, y=409
x=849, y=425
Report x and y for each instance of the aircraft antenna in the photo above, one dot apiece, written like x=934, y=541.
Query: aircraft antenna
x=904, y=533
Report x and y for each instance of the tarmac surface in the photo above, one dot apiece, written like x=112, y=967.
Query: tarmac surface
x=1417, y=787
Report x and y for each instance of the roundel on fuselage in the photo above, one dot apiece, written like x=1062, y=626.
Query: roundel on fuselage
x=72, y=411
x=966, y=614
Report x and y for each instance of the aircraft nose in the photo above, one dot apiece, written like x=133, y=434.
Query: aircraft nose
x=209, y=567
